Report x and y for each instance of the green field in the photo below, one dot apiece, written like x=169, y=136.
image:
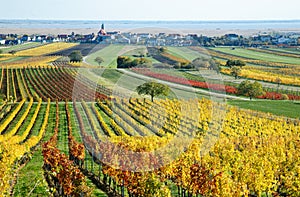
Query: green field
x=110, y=74
x=109, y=54
x=286, y=50
x=13, y=59
x=281, y=108
x=138, y=51
x=20, y=47
x=257, y=55
x=184, y=52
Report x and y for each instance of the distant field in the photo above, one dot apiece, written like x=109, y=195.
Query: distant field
x=20, y=47
x=138, y=51
x=85, y=49
x=20, y=62
x=111, y=53
x=46, y=49
x=184, y=52
x=286, y=50
x=280, y=108
x=13, y=59
x=257, y=55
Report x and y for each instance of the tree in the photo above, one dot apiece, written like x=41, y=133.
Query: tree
x=201, y=62
x=76, y=56
x=162, y=49
x=123, y=62
x=214, y=65
x=278, y=81
x=99, y=60
x=141, y=54
x=13, y=52
x=153, y=89
x=142, y=62
x=232, y=63
x=250, y=89
x=127, y=62
x=235, y=71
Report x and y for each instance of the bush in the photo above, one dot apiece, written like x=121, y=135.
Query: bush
x=232, y=63
x=126, y=62
x=284, y=97
x=252, y=90
x=76, y=56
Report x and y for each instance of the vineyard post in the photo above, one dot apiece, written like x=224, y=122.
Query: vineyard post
x=99, y=171
x=92, y=161
x=115, y=185
x=7, y=85
x=86, y=160
x=123, y=189
x=66, y=141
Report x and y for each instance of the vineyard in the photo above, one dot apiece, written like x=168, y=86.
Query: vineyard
x=262, y=65
x=200, y=82
x=133, y=147
x=85, y=49
x=65, y=133
x=46, y=49
x=260, y=55
x=166, y=57
x=55, y=83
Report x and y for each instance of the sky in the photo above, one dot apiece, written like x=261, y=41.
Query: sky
x=151, y=9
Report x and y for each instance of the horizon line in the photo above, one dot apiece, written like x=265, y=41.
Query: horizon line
x=162, y=20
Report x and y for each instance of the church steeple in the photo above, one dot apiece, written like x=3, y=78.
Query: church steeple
x=102, y=30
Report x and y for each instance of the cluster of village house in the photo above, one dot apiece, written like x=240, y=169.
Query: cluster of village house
x=160, y=39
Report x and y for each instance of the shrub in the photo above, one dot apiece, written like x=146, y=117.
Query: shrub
x=127, y=62
x=284, y=97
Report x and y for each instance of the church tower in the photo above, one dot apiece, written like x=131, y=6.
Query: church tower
x=102, y=35
x=102, y=31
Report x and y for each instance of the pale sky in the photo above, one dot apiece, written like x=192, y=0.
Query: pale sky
x=151, y=9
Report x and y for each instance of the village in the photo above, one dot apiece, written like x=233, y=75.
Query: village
x=290, y=39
